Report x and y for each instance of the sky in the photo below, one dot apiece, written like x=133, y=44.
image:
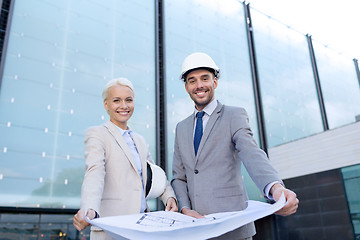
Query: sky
x=333, y=23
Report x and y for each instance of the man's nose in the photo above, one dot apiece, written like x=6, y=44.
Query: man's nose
x=199, y=84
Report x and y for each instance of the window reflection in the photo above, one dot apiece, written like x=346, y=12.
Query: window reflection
x=351, y=176
x=222, y=37
x=339, y=85
x=59, y=57
x=287, y=84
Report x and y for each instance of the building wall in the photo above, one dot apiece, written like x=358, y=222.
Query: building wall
x=325, y=151
x=323, y=170
x=323, y=212
x=58, y=56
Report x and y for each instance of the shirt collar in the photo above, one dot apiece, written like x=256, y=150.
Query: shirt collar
x=209, y=109
x=122, y=131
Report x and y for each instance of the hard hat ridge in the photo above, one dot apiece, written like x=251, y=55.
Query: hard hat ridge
x=198, y=60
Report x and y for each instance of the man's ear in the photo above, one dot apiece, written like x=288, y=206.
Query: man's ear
x=215, y=82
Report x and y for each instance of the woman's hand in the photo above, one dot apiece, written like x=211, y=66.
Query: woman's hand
x=79, y=222
x=171, y=205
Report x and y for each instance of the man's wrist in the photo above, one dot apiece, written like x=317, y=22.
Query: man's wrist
x=275, y=187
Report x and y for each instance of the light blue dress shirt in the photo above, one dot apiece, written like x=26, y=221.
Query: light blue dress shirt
x=127, y=135
x=209, y=109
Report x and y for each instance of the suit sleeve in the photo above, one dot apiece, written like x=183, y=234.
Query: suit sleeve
x=179, y=181
x=255, y=160
x=168, y=193
x=93, y=184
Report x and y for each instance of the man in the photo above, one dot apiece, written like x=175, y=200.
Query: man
x=209, y=146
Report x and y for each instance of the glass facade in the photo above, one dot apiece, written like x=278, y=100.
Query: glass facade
x=339, y=85
x=351, y=176
x=291, y=108
x=42, y=226
x=59, y=57
x=220, y=32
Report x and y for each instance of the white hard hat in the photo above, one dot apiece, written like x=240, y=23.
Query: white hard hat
x=156, y=181
x=198, y=60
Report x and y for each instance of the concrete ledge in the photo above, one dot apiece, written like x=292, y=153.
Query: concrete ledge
x=328, y=150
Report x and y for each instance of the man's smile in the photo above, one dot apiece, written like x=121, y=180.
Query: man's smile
x=201, y=93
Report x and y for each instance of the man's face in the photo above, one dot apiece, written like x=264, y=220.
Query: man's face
x=200, y=85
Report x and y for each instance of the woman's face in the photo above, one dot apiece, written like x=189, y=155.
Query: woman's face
x=120, y=105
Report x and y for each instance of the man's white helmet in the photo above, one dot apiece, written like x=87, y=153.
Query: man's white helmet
x=156, y=181
x=198, y=60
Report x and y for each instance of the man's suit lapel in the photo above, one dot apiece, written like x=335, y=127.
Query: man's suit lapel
x=120, y=140
x=209, y=126
x=189, y=135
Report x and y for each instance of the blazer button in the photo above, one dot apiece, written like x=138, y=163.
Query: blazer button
x=196, y=171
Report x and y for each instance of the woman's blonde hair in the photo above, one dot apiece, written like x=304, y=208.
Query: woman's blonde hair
x=117, y=81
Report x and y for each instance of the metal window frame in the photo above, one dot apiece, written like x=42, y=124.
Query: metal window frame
x=40, y=210
x=161, y=120
x=6, y=37
x=317, y=83
x=255, y=79
x=356, y=63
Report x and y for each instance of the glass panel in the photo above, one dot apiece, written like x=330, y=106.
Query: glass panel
x=351, y=177
x=218, y=29
x=339, y=85
x=40, y=226
x=287, y=84
x=59, y=57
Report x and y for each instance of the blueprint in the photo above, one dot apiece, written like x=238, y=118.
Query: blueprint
x=172, y=225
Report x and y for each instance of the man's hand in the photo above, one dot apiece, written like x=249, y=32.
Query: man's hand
x=79, y=222
x=292, y=202
x=171, y=205
x=191, y=213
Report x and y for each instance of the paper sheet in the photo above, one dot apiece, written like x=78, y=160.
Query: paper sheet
x=171, y=225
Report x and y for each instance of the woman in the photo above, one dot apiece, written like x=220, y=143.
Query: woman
x=116, y=164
